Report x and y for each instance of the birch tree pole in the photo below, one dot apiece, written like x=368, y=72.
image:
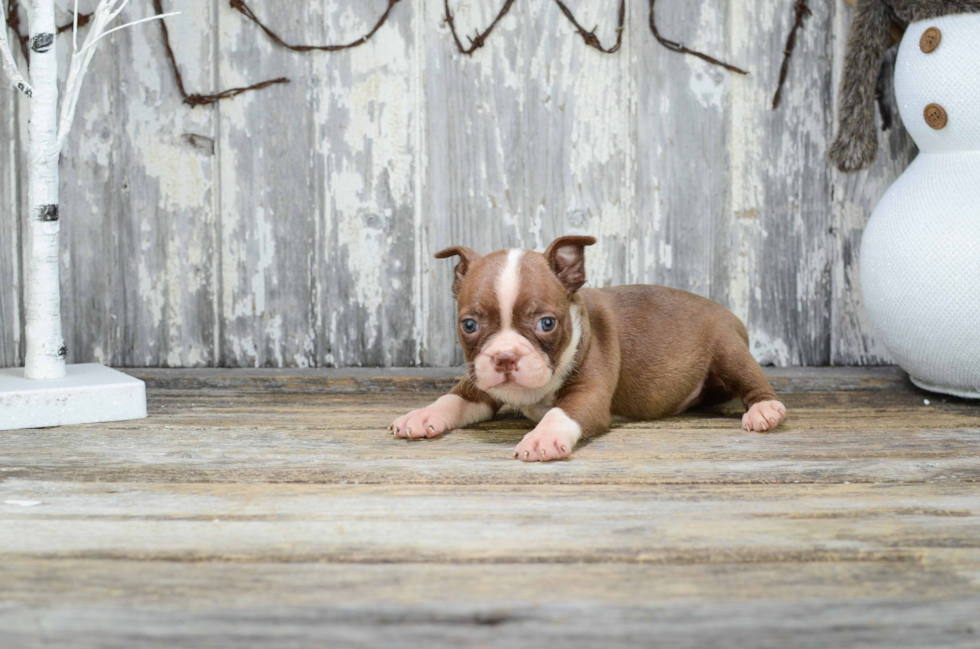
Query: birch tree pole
x=47, y=133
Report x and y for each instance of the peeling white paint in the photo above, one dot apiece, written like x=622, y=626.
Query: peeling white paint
x=769, y=351
x=534, y=136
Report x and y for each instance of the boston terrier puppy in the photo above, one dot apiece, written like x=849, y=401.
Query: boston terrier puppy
x=570, y=358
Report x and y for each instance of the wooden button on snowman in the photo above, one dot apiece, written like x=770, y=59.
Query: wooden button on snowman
x=920, y=255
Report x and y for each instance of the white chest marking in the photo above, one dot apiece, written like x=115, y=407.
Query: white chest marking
x=507, y=287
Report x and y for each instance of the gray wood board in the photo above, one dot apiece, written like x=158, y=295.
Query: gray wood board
x=10, y=241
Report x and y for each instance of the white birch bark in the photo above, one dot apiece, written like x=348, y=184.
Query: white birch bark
x=45, y=345
x=45, y=359
x=7, y=59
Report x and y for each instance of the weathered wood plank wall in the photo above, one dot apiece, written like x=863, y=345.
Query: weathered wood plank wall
x=295, y=226
x=10, y=277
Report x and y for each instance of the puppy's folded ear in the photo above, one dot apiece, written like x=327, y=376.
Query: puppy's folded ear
x=567, y=259
x=466, y=259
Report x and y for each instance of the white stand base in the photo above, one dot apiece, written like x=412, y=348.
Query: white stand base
x=942, y=389
x=90, y=393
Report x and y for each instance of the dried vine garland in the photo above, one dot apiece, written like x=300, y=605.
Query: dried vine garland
x=476, y=42
x=481, y=37
x=674, y=46
x=589, y=37
x=802, y=11
x=244, y=9
x=194, y=99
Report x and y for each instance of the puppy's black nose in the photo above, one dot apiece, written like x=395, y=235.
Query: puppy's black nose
x=505, y=362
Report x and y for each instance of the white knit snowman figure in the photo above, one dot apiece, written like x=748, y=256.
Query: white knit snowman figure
x=920, y=255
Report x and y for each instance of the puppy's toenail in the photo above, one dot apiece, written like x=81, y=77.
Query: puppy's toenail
x=431, y=429
x=515, y=455
x=526, y=454
x=564, y=449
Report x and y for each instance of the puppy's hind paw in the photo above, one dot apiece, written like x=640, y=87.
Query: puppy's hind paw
x=763, y=416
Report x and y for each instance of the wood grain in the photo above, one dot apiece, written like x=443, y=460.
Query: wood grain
x=894, y=623
x=780, y=186
x=10, y=272
x=138, y=182
x=480, y=524
x=270, y=212
x=577, y=142
x=683, y=231
x=271, y=508
x=472, y=186
x=365, y=106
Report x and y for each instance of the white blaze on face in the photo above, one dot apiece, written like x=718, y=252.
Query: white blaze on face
x=508, y=285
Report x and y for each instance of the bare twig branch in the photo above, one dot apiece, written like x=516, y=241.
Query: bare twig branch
x=674, y=46
x=194, y=100
x=802, y=11
x=74, y=28
x=589, y=36
x=7, y=59
x=129, y=24
x=246, y=11
x=475, y=43
x=105, y=12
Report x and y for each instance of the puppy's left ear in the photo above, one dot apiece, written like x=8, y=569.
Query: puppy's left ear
x=567, y=259
x=466, y=259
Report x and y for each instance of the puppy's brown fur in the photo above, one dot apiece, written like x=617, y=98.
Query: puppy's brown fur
x=641, y=352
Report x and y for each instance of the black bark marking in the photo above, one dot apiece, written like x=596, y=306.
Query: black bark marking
x=47, y=213
x=63, y=352
x=24, y=89
x=42, y=42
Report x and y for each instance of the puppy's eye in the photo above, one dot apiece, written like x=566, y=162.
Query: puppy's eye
x=470, y=326
x=547, y=324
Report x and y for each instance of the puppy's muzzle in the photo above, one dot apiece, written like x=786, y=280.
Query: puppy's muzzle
x=505, y=362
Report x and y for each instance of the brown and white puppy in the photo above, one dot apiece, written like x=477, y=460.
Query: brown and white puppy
x=570, y=357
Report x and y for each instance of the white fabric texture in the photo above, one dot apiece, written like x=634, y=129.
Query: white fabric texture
x=950, y=77
x=920, y=254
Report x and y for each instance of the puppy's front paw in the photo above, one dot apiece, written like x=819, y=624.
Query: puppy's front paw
x=552, y=439
x=430, y=421
x=763, y=416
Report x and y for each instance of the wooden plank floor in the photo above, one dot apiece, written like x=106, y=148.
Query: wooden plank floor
x=272, y=509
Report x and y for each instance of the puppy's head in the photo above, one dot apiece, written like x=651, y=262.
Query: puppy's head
x=519, y=325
